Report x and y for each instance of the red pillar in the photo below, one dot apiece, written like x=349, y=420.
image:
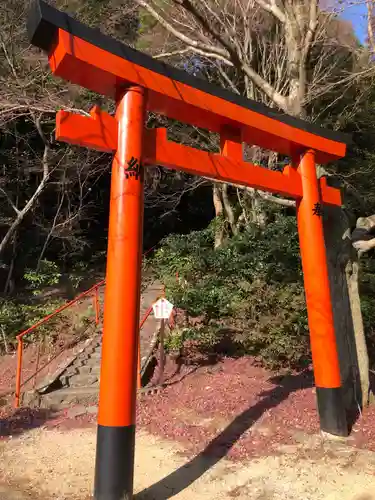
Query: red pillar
x=118, y=379
x=318, y=299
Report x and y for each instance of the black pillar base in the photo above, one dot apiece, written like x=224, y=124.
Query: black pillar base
x=332, y=411
x=114, y=468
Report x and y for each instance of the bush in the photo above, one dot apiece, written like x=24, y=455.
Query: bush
x=47, y=275
x=16, y=317
x=251, y=289
x=18, y=314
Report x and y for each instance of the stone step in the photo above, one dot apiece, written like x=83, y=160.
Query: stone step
x=95, y=347
x=62, y=397
x=70, y=371
x=91, y=362
x=85, y=360
x=79, y=381
x=66, y=365
x=83, y=380
x=94, y=369
x=95, y=355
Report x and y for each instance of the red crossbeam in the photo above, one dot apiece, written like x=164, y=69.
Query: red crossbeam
x=100, y=132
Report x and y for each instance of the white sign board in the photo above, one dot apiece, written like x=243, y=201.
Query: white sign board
x=162, y=309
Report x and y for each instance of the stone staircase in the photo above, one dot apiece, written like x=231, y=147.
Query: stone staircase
x=77, y=382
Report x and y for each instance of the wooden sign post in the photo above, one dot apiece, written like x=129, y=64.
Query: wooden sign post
x=162, y=310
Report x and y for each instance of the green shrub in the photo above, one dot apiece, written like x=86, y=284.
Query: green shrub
x=16, y=317
x=251, y=288
x=48, y=274
x=17, y=314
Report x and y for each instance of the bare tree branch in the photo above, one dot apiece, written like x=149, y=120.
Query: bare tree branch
x=272, y=8
x=10, y=201
x=274, y=199
x=228, y=54
x=173, y=53
x=179, y=34
x=22, y=213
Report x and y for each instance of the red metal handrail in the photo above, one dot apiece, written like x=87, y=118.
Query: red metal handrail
x=19, y=337
x=93, y=290
x=59, y=310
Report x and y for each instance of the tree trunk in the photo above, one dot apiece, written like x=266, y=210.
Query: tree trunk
x=257, y=213
x=219, y=213
x=229, y=212
x=352, y=274
x=343, y=273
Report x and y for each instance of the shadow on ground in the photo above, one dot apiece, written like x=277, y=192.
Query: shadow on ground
x=24, y=419
x=218, y=448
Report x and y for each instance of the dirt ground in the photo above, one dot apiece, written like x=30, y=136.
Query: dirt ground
x=231, y=430
x=57, y=464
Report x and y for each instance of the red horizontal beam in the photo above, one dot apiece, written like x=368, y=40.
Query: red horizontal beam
x=160, y=151
x=104, y=72
x=100, y=132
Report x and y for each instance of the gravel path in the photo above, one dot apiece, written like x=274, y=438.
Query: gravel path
x=231, y=430
x=53, y=464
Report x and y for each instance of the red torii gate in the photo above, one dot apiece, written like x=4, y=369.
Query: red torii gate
x=139, y=84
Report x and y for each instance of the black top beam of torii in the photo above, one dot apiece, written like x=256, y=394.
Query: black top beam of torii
x=105, y=65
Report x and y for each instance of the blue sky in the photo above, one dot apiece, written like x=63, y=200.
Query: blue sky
x=356, y=15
